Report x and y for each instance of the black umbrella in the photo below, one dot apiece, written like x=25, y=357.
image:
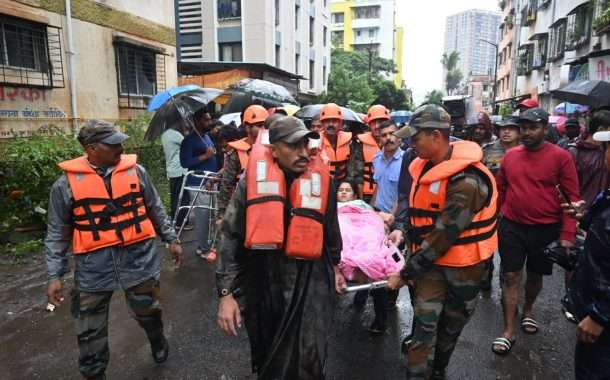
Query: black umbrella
x=313, y=110
x=178, y=110
x=595, y=93
x=254, y=91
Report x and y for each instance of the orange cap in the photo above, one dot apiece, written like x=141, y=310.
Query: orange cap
x=331, y=111
x=377, y=112
x=255, y=114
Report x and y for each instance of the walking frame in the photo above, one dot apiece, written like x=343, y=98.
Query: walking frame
x=208, y=186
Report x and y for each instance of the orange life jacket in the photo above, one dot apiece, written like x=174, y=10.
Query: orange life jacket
x=427, y=199
x=242, y=147
x=337, y=159
x=370, y=149
x=102, y=220
x=267, y=198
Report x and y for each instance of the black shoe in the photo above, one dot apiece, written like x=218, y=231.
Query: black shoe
x=439, y=374
x=160, y=350
x=377, y=327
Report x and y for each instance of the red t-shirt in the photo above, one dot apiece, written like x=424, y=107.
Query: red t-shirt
x=526, y=185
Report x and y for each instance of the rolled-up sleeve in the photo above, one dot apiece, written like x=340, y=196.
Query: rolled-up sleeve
x=59, y=229
x=155, y=209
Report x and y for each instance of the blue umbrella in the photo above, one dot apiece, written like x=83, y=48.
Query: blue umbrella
x=401, y=117
x=164, y=96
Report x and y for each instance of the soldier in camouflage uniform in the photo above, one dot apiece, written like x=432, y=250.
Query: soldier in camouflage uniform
x=447, y=279
x=508, y=137
x=116, y=262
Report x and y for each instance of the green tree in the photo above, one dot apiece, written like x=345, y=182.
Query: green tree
x=453, y=75
x=434, y=96
x=357, y=80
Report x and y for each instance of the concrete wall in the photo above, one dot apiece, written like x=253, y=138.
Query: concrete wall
x=34, y=109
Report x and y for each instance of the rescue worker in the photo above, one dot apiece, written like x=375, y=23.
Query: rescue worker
x=369, y=141
x=107, y=212
x=236, y=159
x=452, y=211
x=339, y=150
x=278, y=258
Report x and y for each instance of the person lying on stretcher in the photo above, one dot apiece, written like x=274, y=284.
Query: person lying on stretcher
x=367, y=255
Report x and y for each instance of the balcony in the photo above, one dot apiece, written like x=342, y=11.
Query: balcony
x=601, y=24
x=529, y=12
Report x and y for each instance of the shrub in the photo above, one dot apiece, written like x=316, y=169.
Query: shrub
x=29, y=169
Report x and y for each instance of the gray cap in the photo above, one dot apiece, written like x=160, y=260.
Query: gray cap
x=100, y=131
x=512, y=121
x=290, y=130
x=430, y=116
x=534, y=115
x=603, y=136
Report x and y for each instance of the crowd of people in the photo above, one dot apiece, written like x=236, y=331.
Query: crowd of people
x=306, y=206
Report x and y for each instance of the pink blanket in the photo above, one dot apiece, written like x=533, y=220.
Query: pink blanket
x=364, y=245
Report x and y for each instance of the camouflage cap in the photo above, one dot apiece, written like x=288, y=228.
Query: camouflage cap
x=100, y=131
x=429, y=116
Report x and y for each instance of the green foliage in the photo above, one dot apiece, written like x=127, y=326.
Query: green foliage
x=18, y=252
x=29, y=169
x=602, y=21
x=357, y=80
x=453, y=75
x=434, y=96
x=505, y=110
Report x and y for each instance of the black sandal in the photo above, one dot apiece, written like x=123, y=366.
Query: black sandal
x=505, y=344
x=529, y=325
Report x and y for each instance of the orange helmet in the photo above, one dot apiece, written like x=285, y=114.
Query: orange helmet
x=331, y=111
x=377, y=112
x=255, y=114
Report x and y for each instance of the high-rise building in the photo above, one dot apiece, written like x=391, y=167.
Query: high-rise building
x=289, y=35
x=473, y=34
x=369, y=26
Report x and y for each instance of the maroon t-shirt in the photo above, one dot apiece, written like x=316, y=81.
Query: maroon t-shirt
x=526, y=185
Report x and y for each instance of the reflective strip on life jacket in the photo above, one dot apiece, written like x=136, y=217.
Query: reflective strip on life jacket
x=100, y=220
x=476, y=242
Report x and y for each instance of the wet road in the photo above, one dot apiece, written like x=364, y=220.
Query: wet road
x=41, y=345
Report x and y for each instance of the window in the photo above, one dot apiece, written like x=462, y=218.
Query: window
x=311, y=74
x=526, y=59
x=229, y=9
x=324, y=32
x=367, y=12
x=30, y=53
x=277, y=12
x=137, y=71
x=229, y=52
x=529, y=12
x=578, y=27
x=540, y=52
x=557, y=39
x=324, y=75
x=296, y=17
x=372, y=33
x=311, y=31
x=277, y=56
x=297, y=63
x=337, y=18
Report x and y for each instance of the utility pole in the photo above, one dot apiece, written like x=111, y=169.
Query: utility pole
x=493, y=100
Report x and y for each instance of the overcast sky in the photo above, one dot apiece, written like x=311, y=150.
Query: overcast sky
x=424, y=23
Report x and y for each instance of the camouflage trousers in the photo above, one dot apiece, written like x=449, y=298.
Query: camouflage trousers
x=445, y=299
x=91, y=313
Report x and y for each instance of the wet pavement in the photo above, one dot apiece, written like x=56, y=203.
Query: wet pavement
x=40, y=345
